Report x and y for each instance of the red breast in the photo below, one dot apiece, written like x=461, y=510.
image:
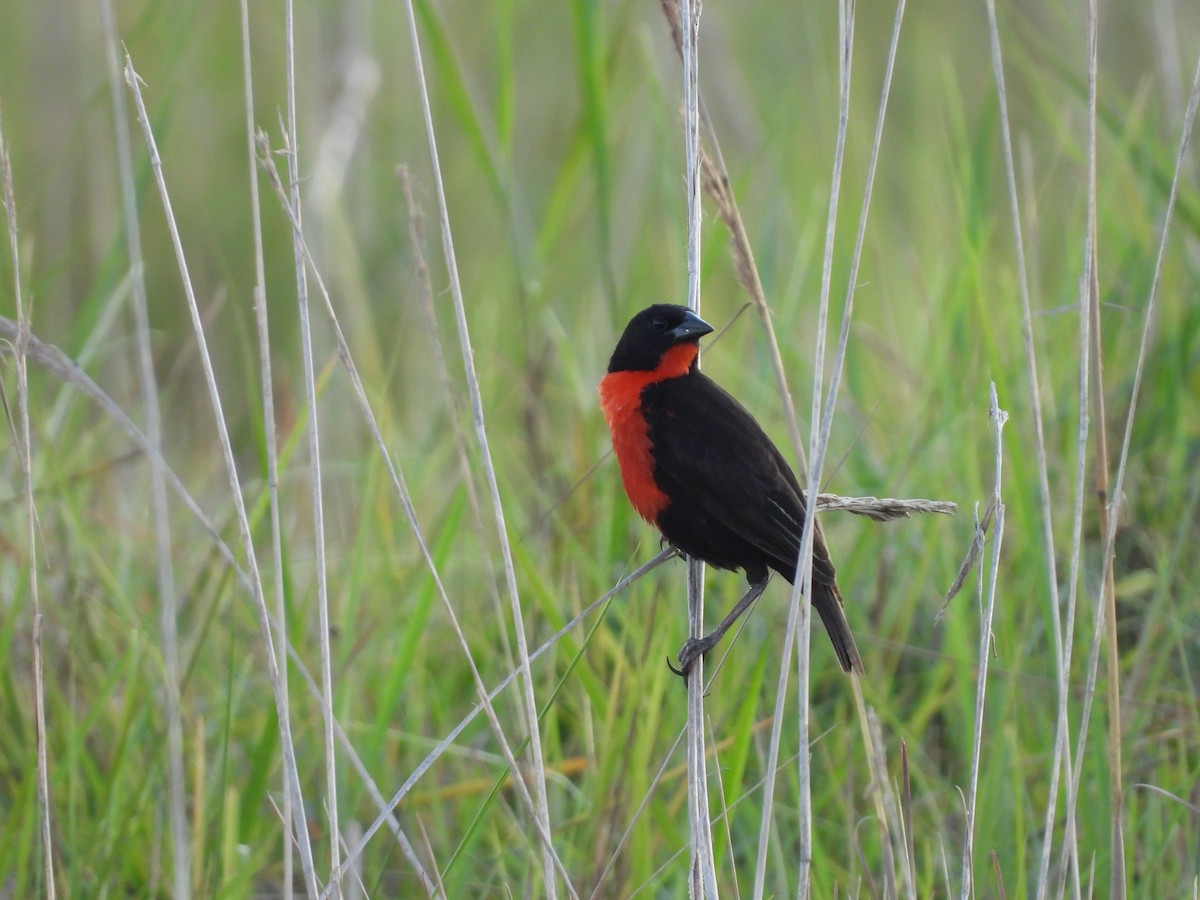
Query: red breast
x=621, y=401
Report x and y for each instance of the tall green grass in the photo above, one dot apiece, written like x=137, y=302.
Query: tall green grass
x=562, y=163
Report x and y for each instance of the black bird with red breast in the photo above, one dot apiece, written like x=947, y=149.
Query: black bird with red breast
x=698, y=467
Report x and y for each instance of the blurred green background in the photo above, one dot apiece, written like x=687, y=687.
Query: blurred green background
x=559, y=130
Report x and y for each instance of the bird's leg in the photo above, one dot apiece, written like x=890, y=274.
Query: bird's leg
x=694, y=648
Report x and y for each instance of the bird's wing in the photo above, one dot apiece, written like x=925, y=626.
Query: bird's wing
x=707, y=447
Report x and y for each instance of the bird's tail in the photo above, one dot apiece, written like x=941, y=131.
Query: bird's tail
x=828, y=601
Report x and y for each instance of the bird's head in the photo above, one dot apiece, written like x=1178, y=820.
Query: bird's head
x=652, y=333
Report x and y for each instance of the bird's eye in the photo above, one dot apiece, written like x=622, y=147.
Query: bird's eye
x=659, y=323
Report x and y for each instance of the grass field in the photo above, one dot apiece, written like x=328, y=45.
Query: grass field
x=133, y=615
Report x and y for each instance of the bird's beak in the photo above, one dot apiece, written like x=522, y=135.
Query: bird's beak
x=690, y=329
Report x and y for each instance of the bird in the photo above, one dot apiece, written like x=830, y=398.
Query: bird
x=697, y=466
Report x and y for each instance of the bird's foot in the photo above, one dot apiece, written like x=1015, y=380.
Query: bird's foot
x=692, y=650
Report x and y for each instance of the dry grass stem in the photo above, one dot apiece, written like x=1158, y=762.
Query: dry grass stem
x=168, y=601
x=1089, y=315
x=20, y=346
x=270, y=430
x=906, y=818
x=987, y=599
x=316, y=481
x=703, y=879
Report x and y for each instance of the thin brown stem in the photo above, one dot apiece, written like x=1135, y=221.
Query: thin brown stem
x=22, y=439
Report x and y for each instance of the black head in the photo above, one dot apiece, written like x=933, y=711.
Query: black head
x=653, y=332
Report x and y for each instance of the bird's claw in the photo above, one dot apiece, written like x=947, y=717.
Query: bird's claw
x=692, y=650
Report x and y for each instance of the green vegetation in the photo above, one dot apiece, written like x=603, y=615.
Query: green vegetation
x=562, y=161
